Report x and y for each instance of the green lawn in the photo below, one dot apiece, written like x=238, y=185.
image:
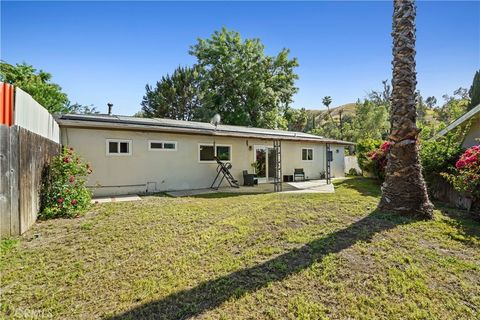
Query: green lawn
x=268, y=256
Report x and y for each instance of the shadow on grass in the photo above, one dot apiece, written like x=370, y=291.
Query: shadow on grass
x=467, y=222
x=211, y=294
x=366, y=186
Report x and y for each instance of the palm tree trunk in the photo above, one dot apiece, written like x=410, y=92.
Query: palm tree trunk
x=404, y=190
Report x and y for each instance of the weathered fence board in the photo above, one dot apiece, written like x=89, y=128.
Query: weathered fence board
x=14, y=183
x=35, y=154
x=29, y=114
x=5, y=200
x=23, y=157
x=441, y=190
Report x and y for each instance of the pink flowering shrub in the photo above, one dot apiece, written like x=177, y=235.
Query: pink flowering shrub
x=64, y=193
x=466, y=176
x=378, y=159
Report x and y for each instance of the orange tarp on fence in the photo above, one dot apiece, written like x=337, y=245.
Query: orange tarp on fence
x=6, y=103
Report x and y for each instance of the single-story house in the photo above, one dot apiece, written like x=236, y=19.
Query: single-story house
x=142, y=155
x=470, y=118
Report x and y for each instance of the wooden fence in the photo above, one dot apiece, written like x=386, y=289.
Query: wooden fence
x=23, y=158
x=441, y=190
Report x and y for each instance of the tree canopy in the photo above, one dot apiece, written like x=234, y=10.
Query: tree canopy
x=37, y=83
x=232, y=77
x=175, y=96
x=474, y=92
x=241, y=83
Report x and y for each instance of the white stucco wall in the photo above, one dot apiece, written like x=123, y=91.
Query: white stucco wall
x=180, y=169
x=338, y=164
x=473, y=134
x=351, y=162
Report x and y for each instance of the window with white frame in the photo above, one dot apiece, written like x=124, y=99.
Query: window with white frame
x=307, y=154
x=118, y=147
x=206, y=152
x=155, y=145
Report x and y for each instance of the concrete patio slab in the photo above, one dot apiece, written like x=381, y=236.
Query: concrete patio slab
x=311, y=186
x=116, y=199
x=307, y=187
x=189, y=193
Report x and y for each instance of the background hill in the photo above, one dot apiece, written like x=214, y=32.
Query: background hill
x=319, y=115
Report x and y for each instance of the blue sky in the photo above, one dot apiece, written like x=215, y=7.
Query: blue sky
x=108, y=51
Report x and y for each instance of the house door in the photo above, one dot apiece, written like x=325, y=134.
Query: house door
x=265, y=163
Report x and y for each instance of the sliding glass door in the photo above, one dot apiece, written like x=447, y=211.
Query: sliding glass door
x=264, y=163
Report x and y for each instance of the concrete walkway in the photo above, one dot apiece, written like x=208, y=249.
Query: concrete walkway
x=131, y=197
x=311, y=186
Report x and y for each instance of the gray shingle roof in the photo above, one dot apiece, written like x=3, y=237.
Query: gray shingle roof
x=169, y=125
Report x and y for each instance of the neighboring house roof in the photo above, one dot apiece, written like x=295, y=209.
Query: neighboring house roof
x=100, y=121
x=466, y=116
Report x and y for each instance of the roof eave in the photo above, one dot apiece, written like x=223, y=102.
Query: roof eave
x=155, y=128
x=466, y=116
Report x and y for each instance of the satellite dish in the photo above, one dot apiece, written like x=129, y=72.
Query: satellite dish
x=215, y=120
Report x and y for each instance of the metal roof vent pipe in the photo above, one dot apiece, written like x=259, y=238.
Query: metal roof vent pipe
x=110, y=106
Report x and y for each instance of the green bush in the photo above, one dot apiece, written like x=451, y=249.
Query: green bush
x=364, y=148
x=64, y=193
x=353, y=172
x=466, y=178
x=439, y=156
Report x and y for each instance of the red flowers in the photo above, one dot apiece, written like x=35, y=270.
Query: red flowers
x=385, y=147
x=71, y=179
x=67, y=159
x=379, y=158
x=60, y=200
x=74, y=202
x=469, y=159
x=460, y=164
x=467, y=176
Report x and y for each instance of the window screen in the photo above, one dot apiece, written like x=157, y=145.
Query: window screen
x=113, y=147
x=124, y=147
x=223, y=153
x=156, y=145
x=307, y=154
x=206, y=153
x=162, y=145
x=169, y=145
x=117, y=147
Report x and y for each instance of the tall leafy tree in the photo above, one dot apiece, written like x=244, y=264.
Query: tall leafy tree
x=382, y=98
x=474, y=92
x=327, y=100
x=371, y=121
x=37, y=83
x=421, y=107
x=296, y=119
x=241, y=83
x=77, y=108
x=431, y=102
x=454, y=106
x=404, y=190
x=175, y=96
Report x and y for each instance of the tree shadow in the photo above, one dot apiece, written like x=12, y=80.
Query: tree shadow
x=212, y=293
x=467, y=222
